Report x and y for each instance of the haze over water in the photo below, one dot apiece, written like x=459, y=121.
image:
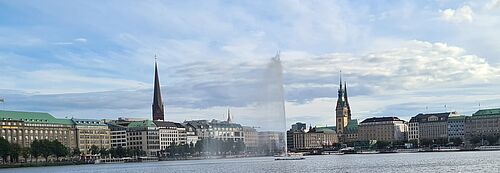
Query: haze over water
x=410, y=162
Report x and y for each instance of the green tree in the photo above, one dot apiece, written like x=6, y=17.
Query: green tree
x=15, y=150
x=198, y=147
x=475, y=140
x=104, y=152
x=25, y=153
x=426, y=142
x=492, y=139
x=4, y=149
x=456, y=141
x=46, y=149
x=120, y=152
x=58, y=149
x=36, y=149
x=382, y=145
x=94, y=149
x=76, y=152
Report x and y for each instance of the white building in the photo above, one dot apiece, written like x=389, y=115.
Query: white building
x=171, y=134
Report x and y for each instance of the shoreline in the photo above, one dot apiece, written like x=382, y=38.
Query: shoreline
x=52, y=164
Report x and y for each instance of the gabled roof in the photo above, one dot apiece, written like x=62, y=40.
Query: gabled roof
x=33, y=117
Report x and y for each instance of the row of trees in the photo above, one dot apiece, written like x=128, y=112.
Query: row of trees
x=483, y=140
x=38, y=148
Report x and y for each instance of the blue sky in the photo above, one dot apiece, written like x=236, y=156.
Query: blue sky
x=94, y=59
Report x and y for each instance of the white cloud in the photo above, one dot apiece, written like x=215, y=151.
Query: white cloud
x=462, y=14
x=81, y=40
x=492, y=4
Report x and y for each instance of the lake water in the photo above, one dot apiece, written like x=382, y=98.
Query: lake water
x=401, y=162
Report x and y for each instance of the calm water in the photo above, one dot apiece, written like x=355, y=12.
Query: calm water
x=410, y=162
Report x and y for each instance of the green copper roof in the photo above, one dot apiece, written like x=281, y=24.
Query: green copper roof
x=33, y=117
x=487, y=112
x=352, y=126
x=145, y=123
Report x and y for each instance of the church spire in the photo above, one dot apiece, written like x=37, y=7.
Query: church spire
x=157, y=108
x=229, y=115
x=347, y=102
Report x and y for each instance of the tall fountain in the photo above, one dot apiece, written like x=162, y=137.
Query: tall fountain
x=276, y=95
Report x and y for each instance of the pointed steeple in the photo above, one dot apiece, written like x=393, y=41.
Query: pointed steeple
x=340, y=98
x=347, y=102
x=157, y=108
x=229, y=115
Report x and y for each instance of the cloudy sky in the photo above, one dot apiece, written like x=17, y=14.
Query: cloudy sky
x=94, y=59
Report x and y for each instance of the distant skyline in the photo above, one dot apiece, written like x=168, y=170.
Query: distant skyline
x=94, y=59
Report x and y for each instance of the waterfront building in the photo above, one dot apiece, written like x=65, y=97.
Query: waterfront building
x=346, y=127
x=299, y=127
x=413, y=134
x=215, y=129
x=314, y=138
x=144, y=136
x=250, y=138
x=171, y=133
x=118, y=135
x=482, y=124
x=191, y=136
x=25, y=127
x=157, y=107
x=432, y=126
x=319, y=137
x=91, y=132
x=456, y=127
x=388, y=129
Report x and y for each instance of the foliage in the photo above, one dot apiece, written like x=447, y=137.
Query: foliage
x=492, y=139
x=456, y=141
x=15, y=150
x=4, y=148
x=94, y=149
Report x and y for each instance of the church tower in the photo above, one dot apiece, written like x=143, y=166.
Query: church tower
x=158, y=112
x=342, y=111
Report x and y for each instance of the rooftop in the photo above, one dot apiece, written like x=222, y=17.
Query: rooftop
x=33, y=117
x=380, y=119
x=145, y=123
x=487, y=112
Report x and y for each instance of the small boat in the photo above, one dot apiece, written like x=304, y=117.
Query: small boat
x=368, y=152
x=408, y=150
x=445, y=149
x=488, y=148
x=109, y=160
x=332, y=153
x=148, y=159
x=290, y=158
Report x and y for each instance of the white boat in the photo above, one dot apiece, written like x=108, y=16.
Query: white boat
x=368, y=152
x=488, y=148
x=445, y=149
x=109, y=160
x=332, y=153
x=290, y=158
x=148, y=159
x=408, y=150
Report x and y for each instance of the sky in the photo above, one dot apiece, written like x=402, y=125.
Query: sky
x=94, y=59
